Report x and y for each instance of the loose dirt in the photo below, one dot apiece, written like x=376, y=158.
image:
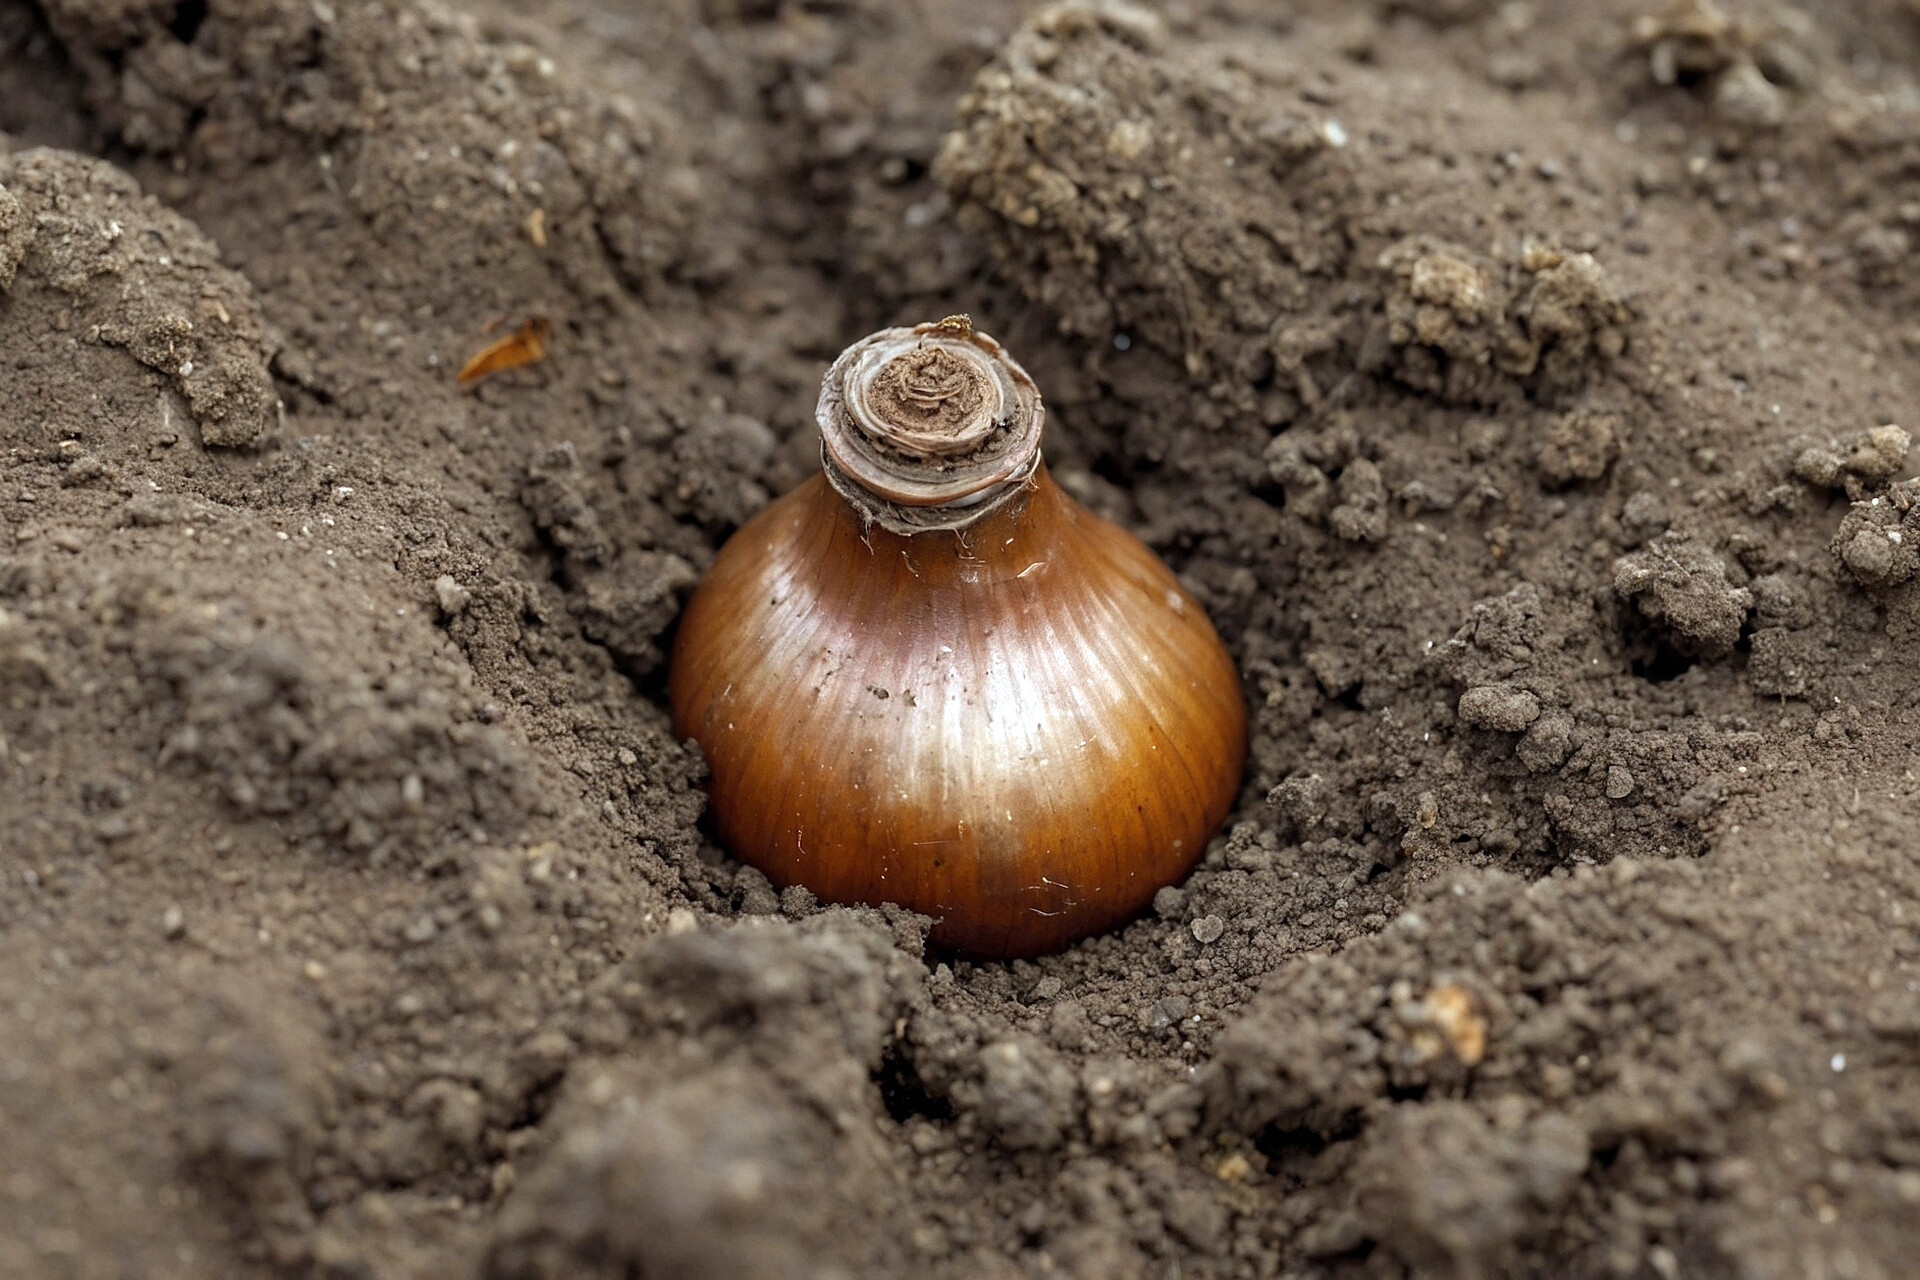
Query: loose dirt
x=1524, y=388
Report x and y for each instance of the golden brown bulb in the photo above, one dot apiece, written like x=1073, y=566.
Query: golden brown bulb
x=930, y=677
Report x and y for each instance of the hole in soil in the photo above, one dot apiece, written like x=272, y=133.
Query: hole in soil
x=652, y=683
x=1271, y=492
x=1666, y=663
x=1276, y=1143
x=187, y=17
x=1650, y=655
x=1113, y=471
x=902, y=1091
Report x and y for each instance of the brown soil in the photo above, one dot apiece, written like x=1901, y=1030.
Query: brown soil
x=1511, y=381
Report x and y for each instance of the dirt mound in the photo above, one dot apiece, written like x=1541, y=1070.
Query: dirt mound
x=1521, y=389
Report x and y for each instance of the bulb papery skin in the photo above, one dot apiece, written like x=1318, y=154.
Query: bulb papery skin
x=1023, y=728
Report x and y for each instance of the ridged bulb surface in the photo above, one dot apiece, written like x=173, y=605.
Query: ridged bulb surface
x=1022, y=728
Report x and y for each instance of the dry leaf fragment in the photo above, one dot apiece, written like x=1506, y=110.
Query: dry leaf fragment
x=524, y=346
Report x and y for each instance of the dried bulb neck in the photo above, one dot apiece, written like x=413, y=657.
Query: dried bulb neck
x=928, y=428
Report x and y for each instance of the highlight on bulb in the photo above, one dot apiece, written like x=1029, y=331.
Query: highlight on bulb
x=928, y=676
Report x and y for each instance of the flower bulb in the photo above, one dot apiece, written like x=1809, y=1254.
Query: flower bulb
x=928, y=676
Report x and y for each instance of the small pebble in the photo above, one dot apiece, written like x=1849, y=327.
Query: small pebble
x=1619, y=783
x=451, y=595
x=1208, y=929
x=1168, y=1011
x=173, y=923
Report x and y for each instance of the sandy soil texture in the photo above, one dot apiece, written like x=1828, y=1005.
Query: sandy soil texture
x=1524, y=388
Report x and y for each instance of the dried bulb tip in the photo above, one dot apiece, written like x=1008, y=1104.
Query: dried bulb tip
x=928, y=427
x=932, y=402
